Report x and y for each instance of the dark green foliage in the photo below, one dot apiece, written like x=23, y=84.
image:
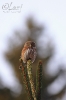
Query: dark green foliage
x=39, y=80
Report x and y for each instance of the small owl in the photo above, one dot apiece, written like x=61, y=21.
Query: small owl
x=28, y=52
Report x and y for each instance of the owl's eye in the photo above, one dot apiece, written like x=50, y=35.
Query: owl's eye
x=33, y=44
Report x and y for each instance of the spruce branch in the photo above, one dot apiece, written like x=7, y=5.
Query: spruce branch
x=29, y=71
x=33, y=94
x=26, y=80
x=39, y=80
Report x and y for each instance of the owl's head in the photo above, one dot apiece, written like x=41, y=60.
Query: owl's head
x=30, y=44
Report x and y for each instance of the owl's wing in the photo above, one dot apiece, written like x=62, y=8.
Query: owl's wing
x=26, y=54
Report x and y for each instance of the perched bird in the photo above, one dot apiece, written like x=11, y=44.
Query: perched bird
x=28, y=52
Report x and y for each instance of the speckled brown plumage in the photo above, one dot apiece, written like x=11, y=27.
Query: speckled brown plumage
x=28, y=52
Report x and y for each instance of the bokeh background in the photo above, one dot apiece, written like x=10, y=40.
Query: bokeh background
x=44, y=23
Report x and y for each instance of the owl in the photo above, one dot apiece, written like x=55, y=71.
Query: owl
x=28, y=52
